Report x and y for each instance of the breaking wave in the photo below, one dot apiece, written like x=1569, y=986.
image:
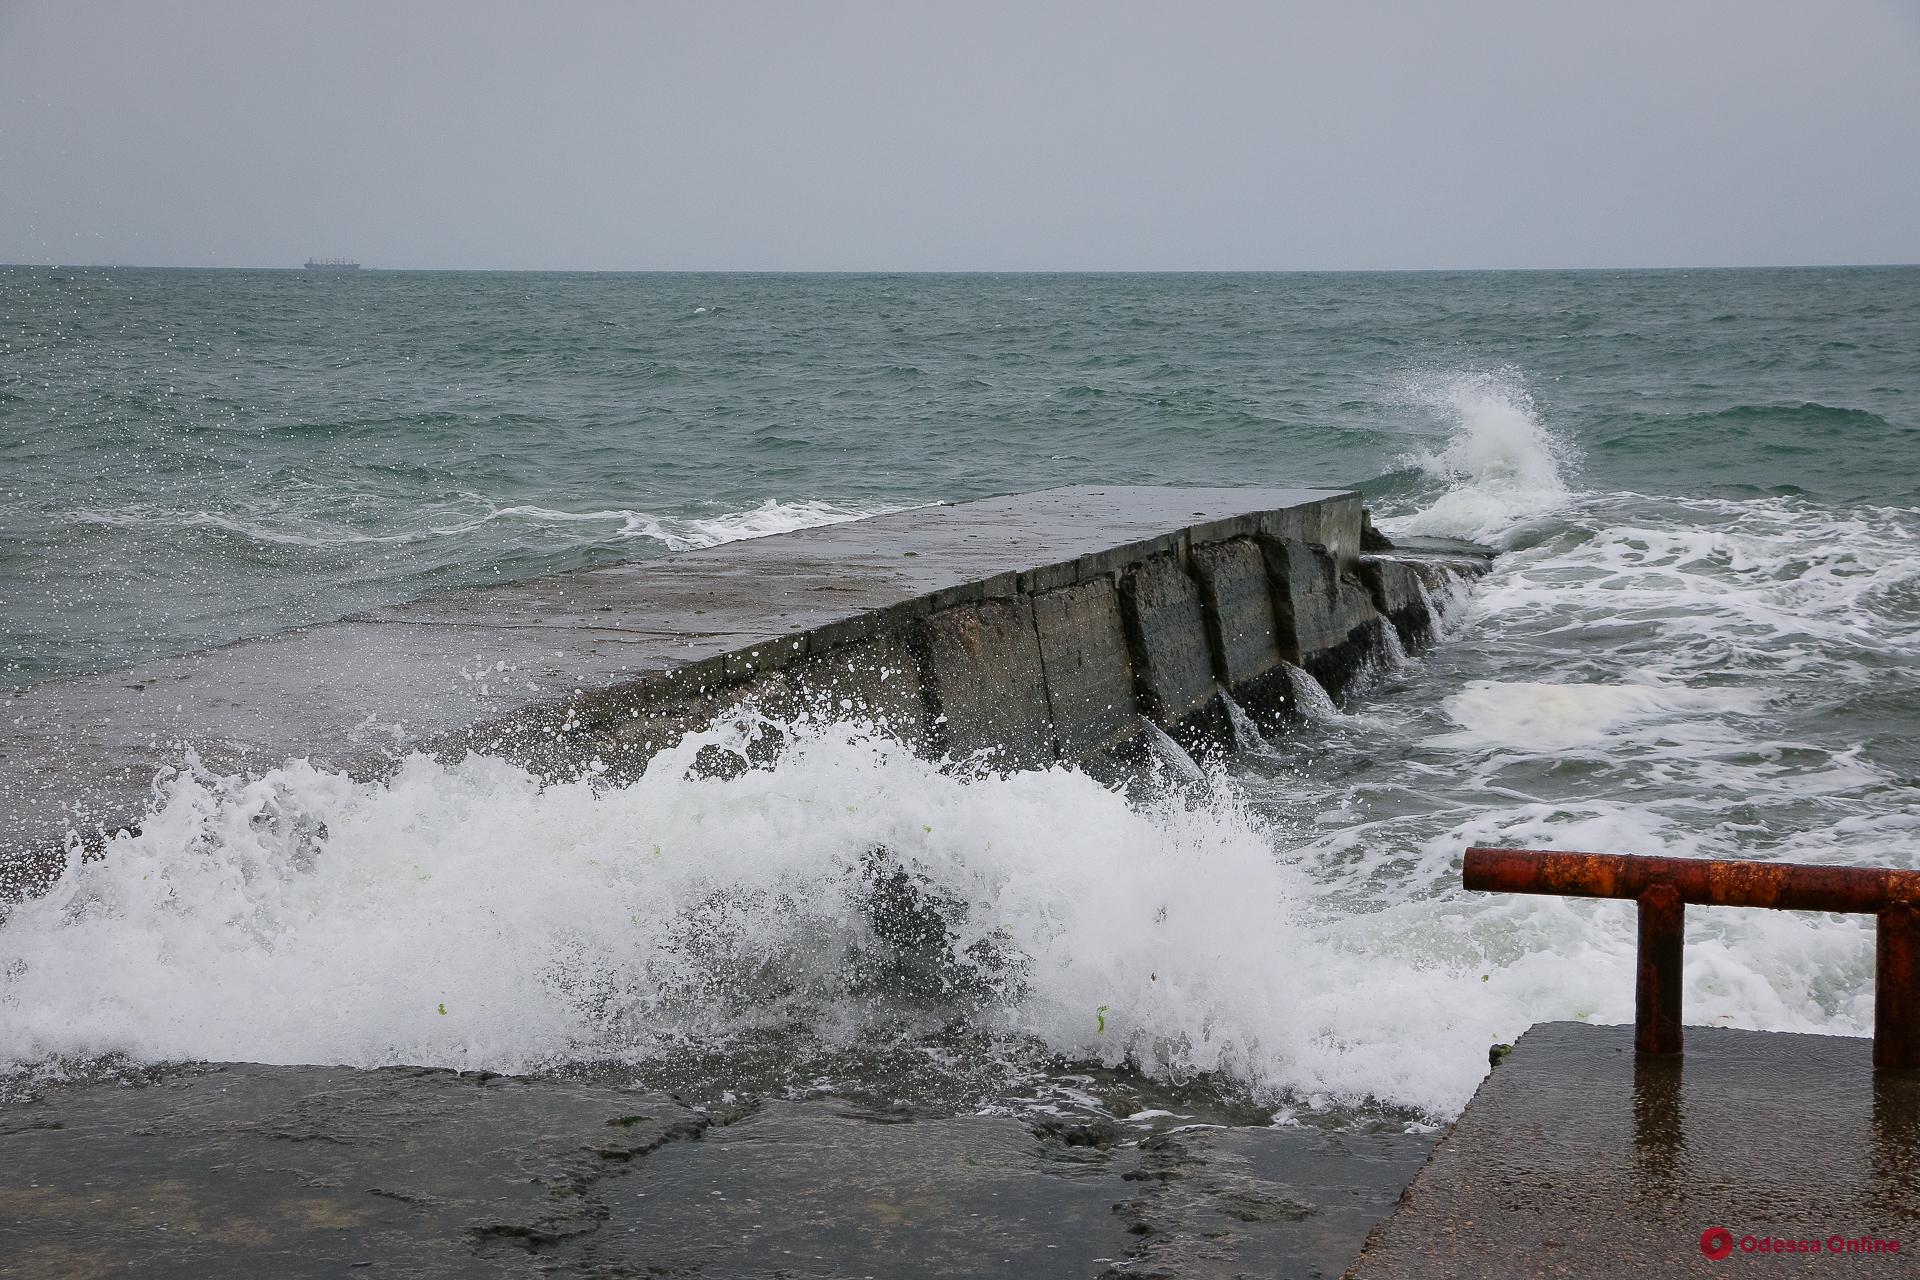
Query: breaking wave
x=1499, y=465
x=466, y=915
x=685, y=533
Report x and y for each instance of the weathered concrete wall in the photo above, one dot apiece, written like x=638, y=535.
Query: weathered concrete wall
x=1327, y=620
x=1089, y=668
x=1037, y=628
x=1069, y=662
x=1242, y=628
x=985, y=685
x=1167, y=631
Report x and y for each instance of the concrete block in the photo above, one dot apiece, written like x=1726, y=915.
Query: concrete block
x=767, y=655
x=985, y=684
x=1050, y=577
x=1238, y=606
x=1400, y=597
x=1083, y=650
x=1167, y=636
x=1332, y=522
x=1110, y=561
x=1327, y=620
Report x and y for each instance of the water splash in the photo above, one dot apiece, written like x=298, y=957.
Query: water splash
x=770, y=517
x=300, y=916
x=1174, y=758
x=1311, y=701
x=1246, y=734
x=1500, y=463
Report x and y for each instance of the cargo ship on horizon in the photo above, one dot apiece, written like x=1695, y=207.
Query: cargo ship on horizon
x=332, y=264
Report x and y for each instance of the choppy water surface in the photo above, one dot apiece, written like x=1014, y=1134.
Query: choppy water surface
x=1701, y=638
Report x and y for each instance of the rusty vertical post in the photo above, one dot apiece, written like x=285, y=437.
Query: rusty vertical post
x=1656, y=1000
x=1896, y=987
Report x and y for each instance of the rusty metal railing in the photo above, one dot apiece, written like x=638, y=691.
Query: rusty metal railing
x=1663, y=886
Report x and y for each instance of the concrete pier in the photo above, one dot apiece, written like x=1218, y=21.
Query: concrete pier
x=1578, y=1157
x=235, y=1170
x=1036, y=628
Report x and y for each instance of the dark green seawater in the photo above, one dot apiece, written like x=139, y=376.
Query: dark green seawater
x=187, y=457
x=1702, y=637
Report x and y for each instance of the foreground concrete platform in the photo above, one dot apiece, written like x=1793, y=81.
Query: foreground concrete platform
x=1579, y=1158
x=249, y=1171
x=1042, y=627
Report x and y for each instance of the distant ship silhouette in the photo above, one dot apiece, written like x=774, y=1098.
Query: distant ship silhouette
x=332, y=264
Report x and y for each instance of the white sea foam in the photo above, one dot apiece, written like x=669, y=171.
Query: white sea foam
x=291, y=532
x=1765, y=580
x=684, y=533
x=1539, y=716
x=467, y=916
x=1500, y=463
x=293, y=527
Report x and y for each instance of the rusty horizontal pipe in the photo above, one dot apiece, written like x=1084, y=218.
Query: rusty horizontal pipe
x=1784, y=886
x=1662, y=887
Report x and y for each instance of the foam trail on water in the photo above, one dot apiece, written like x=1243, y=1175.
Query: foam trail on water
x=1500, y=463
x=1547, y=717
x=770, y=517
x=290, y=526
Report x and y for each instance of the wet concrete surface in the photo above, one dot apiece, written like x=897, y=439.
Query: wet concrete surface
x=80, y=754
x=1579, y=1158
x=244, y=1170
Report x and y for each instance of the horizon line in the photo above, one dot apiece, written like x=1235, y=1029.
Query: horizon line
x=966, y=271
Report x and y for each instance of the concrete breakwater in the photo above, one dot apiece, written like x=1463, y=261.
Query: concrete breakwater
x=1067, y=626
x=1043, y=627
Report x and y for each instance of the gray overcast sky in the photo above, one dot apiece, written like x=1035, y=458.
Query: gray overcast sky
x=961, y=136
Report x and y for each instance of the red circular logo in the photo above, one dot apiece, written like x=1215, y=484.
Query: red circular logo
x=1716, y=1242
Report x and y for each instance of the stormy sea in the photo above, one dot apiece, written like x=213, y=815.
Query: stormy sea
x=1701, y=637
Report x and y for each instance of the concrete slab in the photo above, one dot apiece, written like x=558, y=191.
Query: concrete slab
x=1238, y=603
x=1323, y=612
x=1167, y=631
x=80, y=754
x=240, y=1170
x=1083, y=648
x=987, y=687
x=1578, y=1158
